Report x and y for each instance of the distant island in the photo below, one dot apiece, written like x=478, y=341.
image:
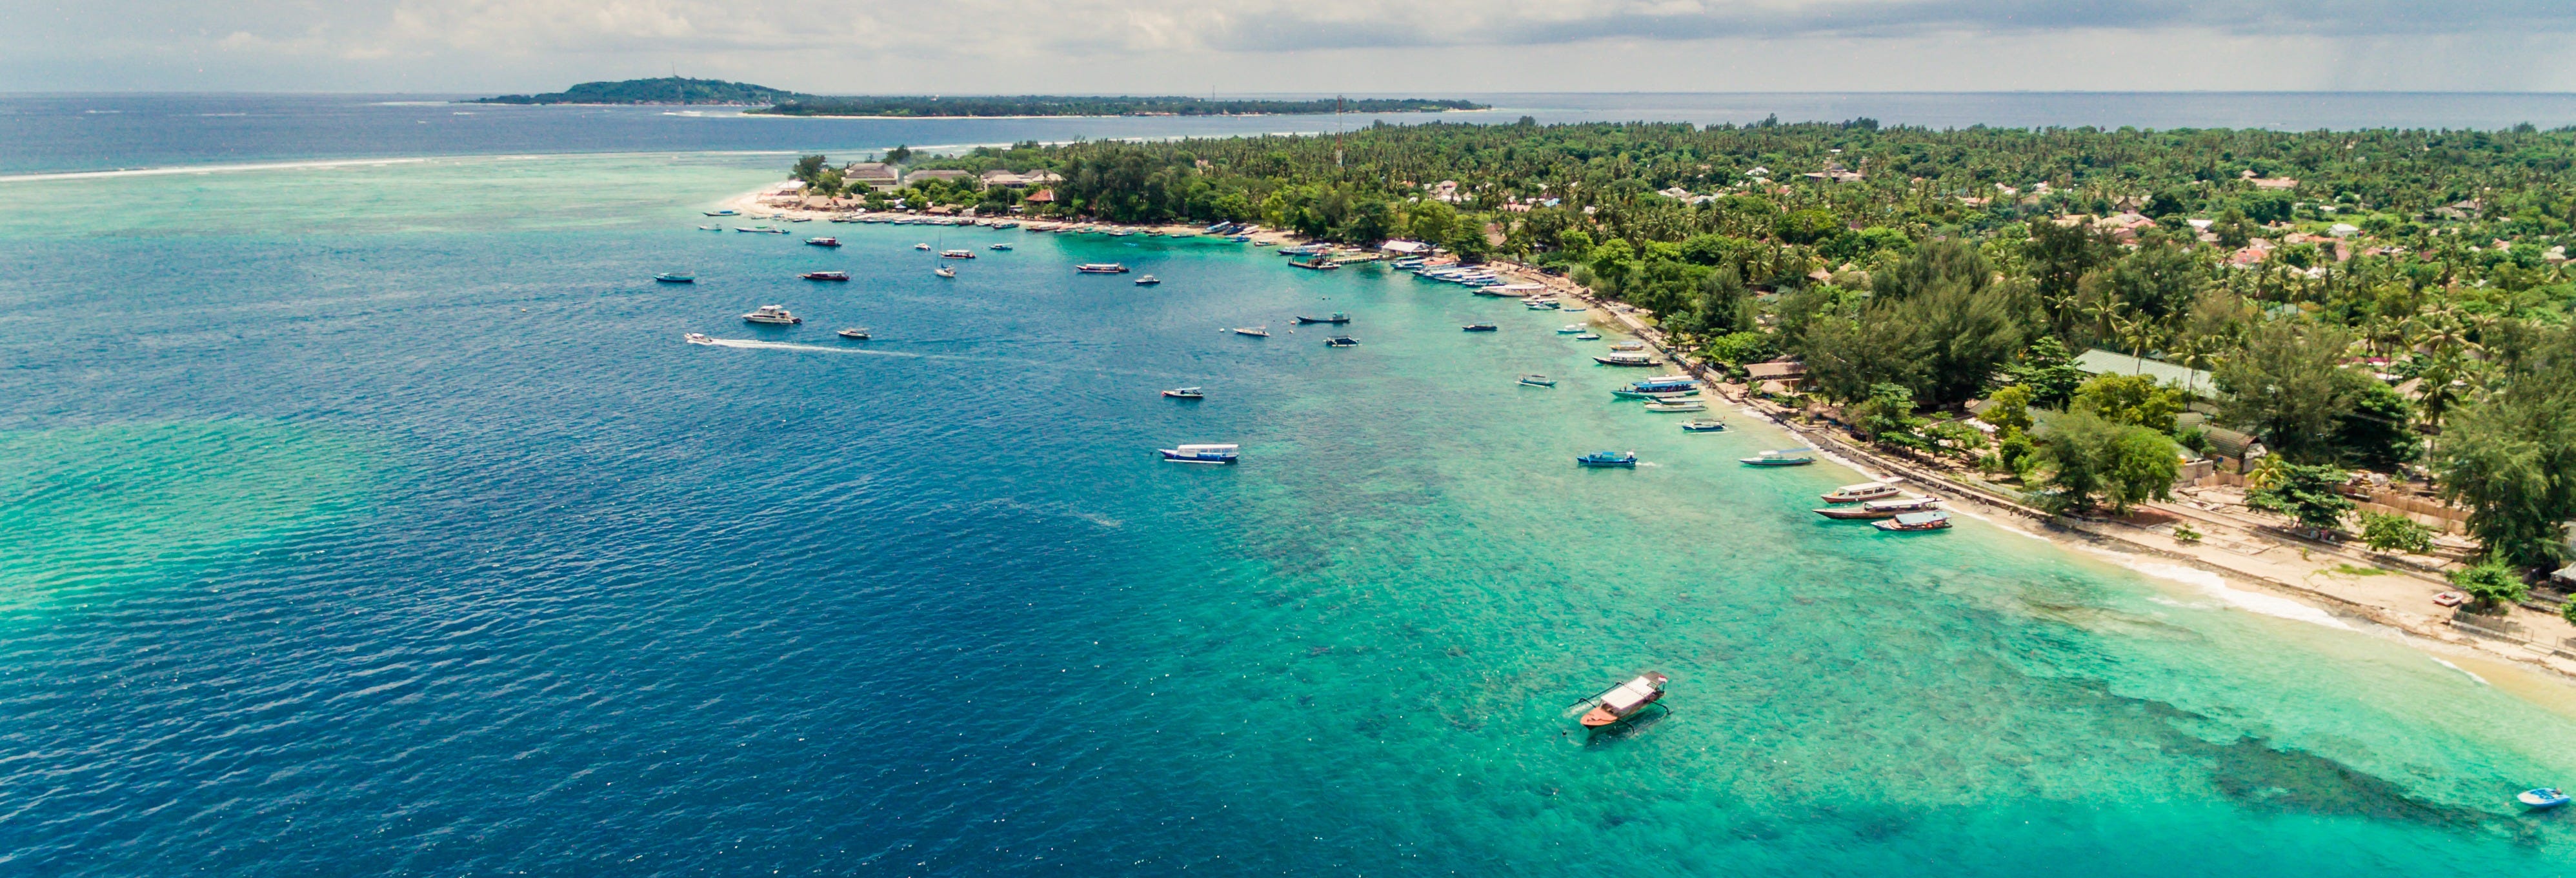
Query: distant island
x=666, y=90
x=1058, y=105
x=779, y=102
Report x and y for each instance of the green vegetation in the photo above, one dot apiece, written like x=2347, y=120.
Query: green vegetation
x=2492, y=583
x=666, y=90
x=2310, y=494
x=2390, y=532
x=1058, y=105
x=2391, y=300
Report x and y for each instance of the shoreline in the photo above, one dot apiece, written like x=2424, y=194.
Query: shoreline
x=2381, y=594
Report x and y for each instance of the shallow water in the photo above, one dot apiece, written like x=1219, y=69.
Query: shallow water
x=402, y=533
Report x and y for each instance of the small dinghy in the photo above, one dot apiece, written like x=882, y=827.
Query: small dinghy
x=1569, y=329
x=1622, y=702
x=1704, y=425
x=1254, y=331
x=855, y=333
x=673, y=277
x=1185, y=393
x=1626, y=459
x=1535, y=380
x=944, y=271
x=2542, y=798
x=1478, y=327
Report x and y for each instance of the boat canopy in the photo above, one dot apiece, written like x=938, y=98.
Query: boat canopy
x=1911, y=519
x=1897, y=503
x=1861, y=488
x=1629, y=695
x=1206, y=449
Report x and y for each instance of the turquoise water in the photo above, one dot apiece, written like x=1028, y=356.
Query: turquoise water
x=397, y=531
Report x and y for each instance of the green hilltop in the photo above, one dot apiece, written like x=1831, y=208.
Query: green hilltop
x=665, y=90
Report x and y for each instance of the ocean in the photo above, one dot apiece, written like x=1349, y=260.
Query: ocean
x=376, y=519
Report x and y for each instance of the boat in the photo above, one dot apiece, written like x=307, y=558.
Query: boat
x=1704, y=425
x=1624, y=359
x=1148, y=280
x=1889, y=508
x=1007, y=224
x=1337, y=318
x=1670, y=406
x=1659, y=387
x=725, y=212
x=698, y=338
x=1200, y=454
x=2451, y=598
x=2542, y=798
x=997, y=246
x=673, y=277
x=1631, y=345
x=823, y=242
x=710, y=228
x=1569, y=329
x=1341, y=341
x=1478, y=327
x=1784, y=457
x=944, y=271
x=1100, y=268
x=1588, y=336
x=1914, y=521
x=1627, y=459
x=1318, y=263
x=1260, y=331
x=1619, y=703
x=1537, y=380
x=956, y=254
x=923, y=246
x=1185, y=393
x=1860, y=492
x=855, y=333
x=826, y=275
x=772, y=314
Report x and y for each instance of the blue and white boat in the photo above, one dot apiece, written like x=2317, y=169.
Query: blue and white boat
x=1704, y=425
x=1569, y=329
x=1659, y=387
x=1626, y=459
x=1914, y=521
x=2543, y=798
x=676, y=277
x=1537, y=380
x=1200, y=453
x=725, y=212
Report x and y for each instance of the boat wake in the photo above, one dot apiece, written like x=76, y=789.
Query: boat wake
x=758, y=345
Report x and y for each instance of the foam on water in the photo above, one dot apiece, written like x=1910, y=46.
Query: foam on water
x=2250, y=601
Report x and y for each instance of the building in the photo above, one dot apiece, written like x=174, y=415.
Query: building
x=2234, y=451
x=1013, y=180
x=878, y=175
x=1042, y=196
x=1405, y=248
x=1786, y=375
x=915, y=178
x=2101, y=362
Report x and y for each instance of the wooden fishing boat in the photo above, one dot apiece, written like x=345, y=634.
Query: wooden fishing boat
x=1622, y=702
x=1914, y=521
x=1254, y=331
x=1889, y=508
x=1536, y=380
x=1860, y=492
x=1671, y=406
x=1337, y=318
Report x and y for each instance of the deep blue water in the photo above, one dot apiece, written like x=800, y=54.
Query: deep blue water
x=92, y=132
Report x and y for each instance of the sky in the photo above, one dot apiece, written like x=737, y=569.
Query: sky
x=1417, y=47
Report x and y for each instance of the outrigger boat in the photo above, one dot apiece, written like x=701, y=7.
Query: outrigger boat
x=1185, y=393
x=823, y=242
x=1622, y=702
x=1860, y=492
x=1536, y=380
x=1479, y=327
x=1913, y=521
x=1096, y=267
x=1704, y=425
x=1337, y=319
x=1200, y=454
x=1341, y=341
x=826, y=275
x=855, y=333
x=1627, y=459
x=1254, y=331
x=1659, y=387
x=1785, y=457
x=673, y=277
x=1881, y=508
x=1625, y=359
x=1669, y=406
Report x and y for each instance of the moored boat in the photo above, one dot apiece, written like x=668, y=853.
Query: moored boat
x=2542, y=798
x=1341, y=341
x=1337, y=318
x=1570, y=329
x=1669, y=406
x=1889, y=508
x=1619, y=703
x=823, y=242
x=1860, y=492
x=1588, y=336
x=1100, y=268
x=1537, y=380
x=674, y=277
x=1626, y=459
x=944, y=271
x=1318, y=264
x=725, y=212
x=1148, y=280
x=997, y=246
x=1914, y=521
x=921, y=246
x=1479, y=327
x=826, y=275
x=1201, y=453
x=956, y=254
x=854, y=333
x=1255, y=331
x=776, y=315
x=1625, y=359
x=1783, y=457
x=1185, y=393
x=1631, y=345
x=1703, y=425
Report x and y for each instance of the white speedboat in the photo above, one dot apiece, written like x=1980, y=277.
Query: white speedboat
x=699, y=338
x=855, y=333
x=1256, y=331
x=1201, y=453
x=944, y=271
